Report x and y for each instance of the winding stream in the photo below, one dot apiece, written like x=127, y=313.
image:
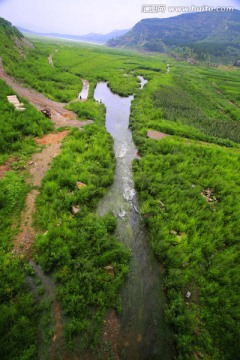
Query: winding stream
x=142, y=81
x=144, y=332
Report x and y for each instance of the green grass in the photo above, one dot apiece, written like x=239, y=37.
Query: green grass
x=185, y=102
x=76, y=248
x=17, y=128
x=195, y=241
x=19, y=314
x=201, y=256
x=75, y=61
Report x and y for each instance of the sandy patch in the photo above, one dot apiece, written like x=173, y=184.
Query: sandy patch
x=156, y=135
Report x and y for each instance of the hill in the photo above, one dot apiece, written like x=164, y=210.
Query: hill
x=201, y=35
x=91, y=37
x=12, y=43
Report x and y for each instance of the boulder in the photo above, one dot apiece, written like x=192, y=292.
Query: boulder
x=109, y=269
x=79, y=184
x=75, y=209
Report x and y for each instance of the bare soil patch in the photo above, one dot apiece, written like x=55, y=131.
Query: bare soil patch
x=111, y=339
x=110, y=342
x=38, y=166
x=53, y=138
x=41, y=162
x=25, y=238
x=156, y=135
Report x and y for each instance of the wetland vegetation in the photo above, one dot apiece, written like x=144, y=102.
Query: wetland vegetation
x=187, y=183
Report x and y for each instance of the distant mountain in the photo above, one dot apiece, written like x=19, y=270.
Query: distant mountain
x=92, y=37
x=103, y=37
x=205, y=33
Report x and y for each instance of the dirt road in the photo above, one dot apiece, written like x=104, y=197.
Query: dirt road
x=60, y=116
x=38, y=166
x=50, y=58
x=40, y=162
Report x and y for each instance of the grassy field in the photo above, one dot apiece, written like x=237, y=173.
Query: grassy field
x=188, y=188
x=75, y=247
x=17, y=128
x=19, y=314
x=75, y=61
x=195, y=239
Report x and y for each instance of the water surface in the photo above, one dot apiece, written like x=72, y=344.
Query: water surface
x=144, y=331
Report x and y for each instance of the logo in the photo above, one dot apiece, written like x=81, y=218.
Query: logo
x=153, y=8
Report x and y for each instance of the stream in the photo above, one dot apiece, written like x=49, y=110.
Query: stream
x=143, y=329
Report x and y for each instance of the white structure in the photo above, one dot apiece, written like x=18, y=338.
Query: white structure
x=14, y=100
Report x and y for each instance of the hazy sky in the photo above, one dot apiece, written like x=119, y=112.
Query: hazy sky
x=83, y=16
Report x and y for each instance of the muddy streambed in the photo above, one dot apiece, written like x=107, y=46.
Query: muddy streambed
x=143, y=329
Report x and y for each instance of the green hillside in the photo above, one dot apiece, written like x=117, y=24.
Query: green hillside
x=13, y=44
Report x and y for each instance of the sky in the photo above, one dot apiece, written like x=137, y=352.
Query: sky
x=79, y=17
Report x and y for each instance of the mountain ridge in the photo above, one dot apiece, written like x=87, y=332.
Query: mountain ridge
x=205, y=34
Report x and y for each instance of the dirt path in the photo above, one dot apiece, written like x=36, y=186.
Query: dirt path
x=50, y=58
x=83, y=95
x=110, y=343
x=38, y=166
x=233, y=103
x=60, y=116
x=220, y=92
